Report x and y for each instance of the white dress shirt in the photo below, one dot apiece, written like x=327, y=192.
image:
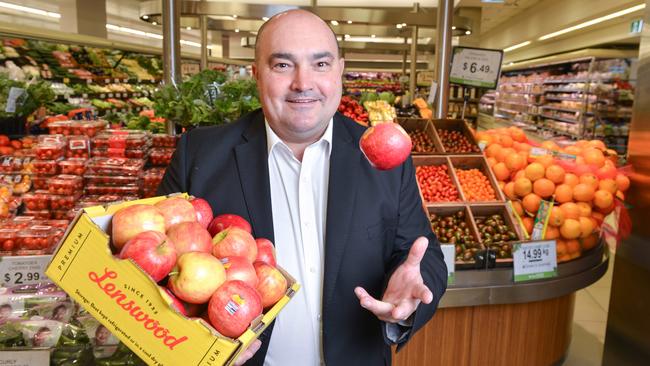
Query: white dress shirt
x=299, y=206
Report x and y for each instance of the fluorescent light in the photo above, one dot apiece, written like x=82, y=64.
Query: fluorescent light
x=519, y=45
x=453, y=27
x=154, y=23
x=346, y=36
x=334, y=22
x=468, y=32
x=265, y=18
x=349, y=22
x=26, y=9
x=372, y=36
x=593, y=21
x=145, y=17
x=188, y=28
x=403, y=24
x=137, y=32
x=190, y=43
x=399, y=26
x=237, y=30
x=234, y=16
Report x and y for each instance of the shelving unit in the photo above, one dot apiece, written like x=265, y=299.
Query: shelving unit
x=580, y=99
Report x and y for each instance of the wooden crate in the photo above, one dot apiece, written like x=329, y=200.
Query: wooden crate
x=476, y=162
x=415, y=124
x=455, y=125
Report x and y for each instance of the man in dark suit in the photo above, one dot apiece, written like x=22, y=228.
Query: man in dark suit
x=379, y=273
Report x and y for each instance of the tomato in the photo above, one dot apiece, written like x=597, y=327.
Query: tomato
x=4, y=140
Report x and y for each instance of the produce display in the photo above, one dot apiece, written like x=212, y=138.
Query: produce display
x=422, y=142
x=456, y=143
x=581, y=178
x=475, y=185
x=436, y=184
x=350, y=108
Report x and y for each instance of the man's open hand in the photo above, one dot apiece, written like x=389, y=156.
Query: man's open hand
x=248, y=353
x=405, y=290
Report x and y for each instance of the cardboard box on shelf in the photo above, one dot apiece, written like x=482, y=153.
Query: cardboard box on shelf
x=127, y=301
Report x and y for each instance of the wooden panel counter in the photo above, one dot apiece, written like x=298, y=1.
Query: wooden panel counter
x=486, y=319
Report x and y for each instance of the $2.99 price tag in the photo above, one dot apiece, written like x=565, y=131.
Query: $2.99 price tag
x=23, y=270
x=534, y=260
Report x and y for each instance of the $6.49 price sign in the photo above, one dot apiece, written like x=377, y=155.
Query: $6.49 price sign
x=23, y=270
x=534, y=260
x=476, y=67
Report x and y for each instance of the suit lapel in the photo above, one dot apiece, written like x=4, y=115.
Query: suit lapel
x=344, y=161
x=252, y=164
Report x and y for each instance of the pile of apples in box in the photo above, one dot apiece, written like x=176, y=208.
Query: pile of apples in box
x=203, y=260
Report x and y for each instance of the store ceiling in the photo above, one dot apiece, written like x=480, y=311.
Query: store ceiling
x=493, y=14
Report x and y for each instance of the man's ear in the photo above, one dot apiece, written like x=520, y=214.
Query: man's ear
x=342, y=65
x=255, y=75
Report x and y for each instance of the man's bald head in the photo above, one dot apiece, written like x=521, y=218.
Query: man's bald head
x=288, y=16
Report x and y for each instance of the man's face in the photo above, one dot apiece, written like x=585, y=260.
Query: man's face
x=40, y=337
x=298, y=73
x=5, y=311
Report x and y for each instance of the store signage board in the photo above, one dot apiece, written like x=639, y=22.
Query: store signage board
x=449, y=254
x=23, y=270
x=479, y=67
x=534, y=260
x=636, y=26
x=25, y=358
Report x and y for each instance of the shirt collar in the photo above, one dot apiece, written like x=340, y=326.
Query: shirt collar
x=272, y=139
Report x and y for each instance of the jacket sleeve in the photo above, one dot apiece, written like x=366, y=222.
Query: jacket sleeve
x=413, y=223
x=175, y=178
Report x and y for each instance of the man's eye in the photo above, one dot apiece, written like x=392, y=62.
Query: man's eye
x=323, y=64
x=281, y=65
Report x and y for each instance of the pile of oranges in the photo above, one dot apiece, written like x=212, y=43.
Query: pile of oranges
x=583, y=184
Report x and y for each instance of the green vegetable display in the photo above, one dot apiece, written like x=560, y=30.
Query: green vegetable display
x=206, y=98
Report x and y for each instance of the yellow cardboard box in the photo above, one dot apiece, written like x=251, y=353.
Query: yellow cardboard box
x=125, y=300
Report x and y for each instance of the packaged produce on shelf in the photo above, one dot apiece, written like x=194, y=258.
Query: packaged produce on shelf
x=423, y=108
x=161, y=156
x=222, y=333
x=581, y=178
x=350, y=108
x=380, y=111
x=163, y=140
x=114, y=166
x=73, y=166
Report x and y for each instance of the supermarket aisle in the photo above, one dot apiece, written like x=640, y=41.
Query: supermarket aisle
x=590, y=322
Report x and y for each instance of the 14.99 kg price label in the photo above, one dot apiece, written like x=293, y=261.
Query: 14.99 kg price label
x=23, y=270
x=534, y=260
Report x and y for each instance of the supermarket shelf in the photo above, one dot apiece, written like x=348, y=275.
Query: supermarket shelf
x=522, y=93
x=510, y=110
x=567, y=99
x=559, y=119
x=567, y=91
x=105, y=95
x=560, y=132
x=566, y=81
x=518, y=83
x=473, y=100
x=571, y=110
x=513, y=103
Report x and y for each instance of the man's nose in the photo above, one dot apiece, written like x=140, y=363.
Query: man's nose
x=302, y=79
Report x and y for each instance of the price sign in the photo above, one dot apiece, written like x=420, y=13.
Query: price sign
x=534, y=260
x=25, y=358
x=23, y=270
x=449, y=254
x=476, y=67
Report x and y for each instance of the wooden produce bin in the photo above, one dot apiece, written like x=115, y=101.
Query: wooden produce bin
x=412, y=125
x=437, y=161
x=477, y=162
x=455, y=125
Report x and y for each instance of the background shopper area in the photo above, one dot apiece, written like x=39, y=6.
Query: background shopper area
x=527, y=120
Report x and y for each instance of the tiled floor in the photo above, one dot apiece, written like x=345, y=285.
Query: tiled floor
x=590, y=322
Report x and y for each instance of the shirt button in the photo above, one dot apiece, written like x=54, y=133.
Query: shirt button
x=319, y=317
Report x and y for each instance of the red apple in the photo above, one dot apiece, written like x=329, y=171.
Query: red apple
x=176, y=210
x=203, y=210
x=153, y=252
x=271, y=286
x=196, y=277
x=234, y=242
x=386, y=145
x=239, y=268
x=233, y=307
x=132, y=220
x=190, y=237
x=265, y=252
x=225, y=221
x=174, y=301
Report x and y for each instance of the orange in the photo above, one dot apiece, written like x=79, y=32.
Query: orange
x=523, y=186
x=504, y=153
x=599, y=217
x=581, y=143
x=518, y=135
x=561, y=248
x=535, y=171
x=506, y=141
x=622, y=182
x=552, y=233
x=491, y=161
x=543, y=188
x=594, y=157
x=589, y=178
x=572, y=246
x=525, y=147
x=608, y=185
x=571, y=179
x=597, y=144
x=583, y=192
x=570, y=229
x=555, y=174
x=586, y=226
x=545, y=160
x=501, y=172
x=607, y=210
x=519, y=174
x=492, y=150
x=606, y=171
x=518, y=208
x=589, y=242
x=585, y=209
x=531, y=203
x=563, y=193
x=509, y=190
x=556, y=217
x=571, y=210
x=515, y=162
x=550, y=145
x=603, y=199
x=528, y=224
x=573, y=150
